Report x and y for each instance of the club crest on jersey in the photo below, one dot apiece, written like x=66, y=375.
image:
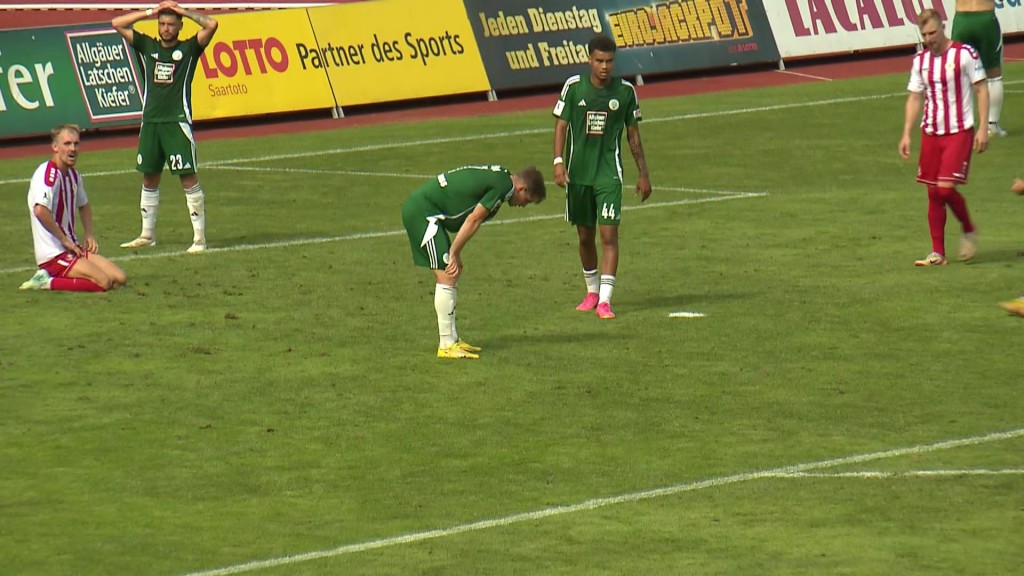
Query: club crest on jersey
x=613, y=104
x=950, y=66
x=596, y=121
x=177, y=55
x=163, y=73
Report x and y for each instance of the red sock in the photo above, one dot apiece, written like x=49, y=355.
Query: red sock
x=75, y=285
x=958, y=204
x=937, y=219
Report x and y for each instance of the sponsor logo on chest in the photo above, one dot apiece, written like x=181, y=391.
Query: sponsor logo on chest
x=596, y=121
x=163, y=73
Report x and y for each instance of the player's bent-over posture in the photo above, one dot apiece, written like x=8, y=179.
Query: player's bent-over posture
x=458, y=202
x=55, y=193
x=166, y=138
x=942, y=78
x=591, y=112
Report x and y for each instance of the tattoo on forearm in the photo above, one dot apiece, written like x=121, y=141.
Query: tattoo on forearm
x=198, y=18
x=637, y=148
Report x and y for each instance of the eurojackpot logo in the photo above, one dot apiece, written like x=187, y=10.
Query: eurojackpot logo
x=680, y=22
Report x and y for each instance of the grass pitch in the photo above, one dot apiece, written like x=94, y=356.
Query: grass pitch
x=274, y=406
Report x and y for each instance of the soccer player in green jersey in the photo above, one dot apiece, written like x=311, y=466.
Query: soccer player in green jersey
x=975, y=23
x=458, y=202
x=167, y=66
x=591, y=113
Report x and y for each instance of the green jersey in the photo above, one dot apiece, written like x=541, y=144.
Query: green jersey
x=453, y=195
x=167, y=73
x=596, y=117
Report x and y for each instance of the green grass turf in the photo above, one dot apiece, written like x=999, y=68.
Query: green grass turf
x=278, y=395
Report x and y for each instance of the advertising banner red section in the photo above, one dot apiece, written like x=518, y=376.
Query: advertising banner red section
x=817, y=27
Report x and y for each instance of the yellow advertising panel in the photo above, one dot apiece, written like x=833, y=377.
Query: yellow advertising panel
x=257, y=63
x=395, y=50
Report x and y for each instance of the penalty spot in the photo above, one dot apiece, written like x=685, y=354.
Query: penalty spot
x=685, y=314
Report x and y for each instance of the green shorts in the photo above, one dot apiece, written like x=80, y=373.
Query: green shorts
x=981, y=30
x=166, y=143
x=427, y=238
x=593, y=205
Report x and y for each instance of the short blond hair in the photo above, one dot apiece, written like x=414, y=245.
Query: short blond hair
x=57, y=130
x=927, y=15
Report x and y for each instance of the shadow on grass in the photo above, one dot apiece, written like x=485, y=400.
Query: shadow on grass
x=571, y=334
x=1005, y=256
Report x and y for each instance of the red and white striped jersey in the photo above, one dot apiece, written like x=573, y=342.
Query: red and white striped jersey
x=63, y=193
x=947, y=81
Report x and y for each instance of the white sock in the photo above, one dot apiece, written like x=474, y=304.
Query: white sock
x=592, y=279
x=995, y=99
x=607, y=287
x=148, y=205
x=445, y=299
x=196, y=201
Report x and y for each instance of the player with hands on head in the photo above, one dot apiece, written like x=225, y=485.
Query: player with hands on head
x=56, y=191
x=590, y=115
x=458, y=202
x=166, y=137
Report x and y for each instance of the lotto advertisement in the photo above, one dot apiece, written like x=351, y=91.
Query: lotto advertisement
x=258, y=63
x=395, y=50
x=544, y=42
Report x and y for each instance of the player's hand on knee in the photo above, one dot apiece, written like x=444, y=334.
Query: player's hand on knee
x=454, y=268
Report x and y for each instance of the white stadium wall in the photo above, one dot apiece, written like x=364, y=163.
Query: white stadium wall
x=818, y=27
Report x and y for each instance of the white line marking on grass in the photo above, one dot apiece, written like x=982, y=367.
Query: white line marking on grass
x=685, y=314
x=322, y=171
x=723, y=195
x=411, y=143
x=468, y=138
x=802, y=75
x=604, y=502
x=877, y=475
x=529, y=131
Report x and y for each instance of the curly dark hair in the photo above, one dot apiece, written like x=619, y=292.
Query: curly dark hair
x=601, y=43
